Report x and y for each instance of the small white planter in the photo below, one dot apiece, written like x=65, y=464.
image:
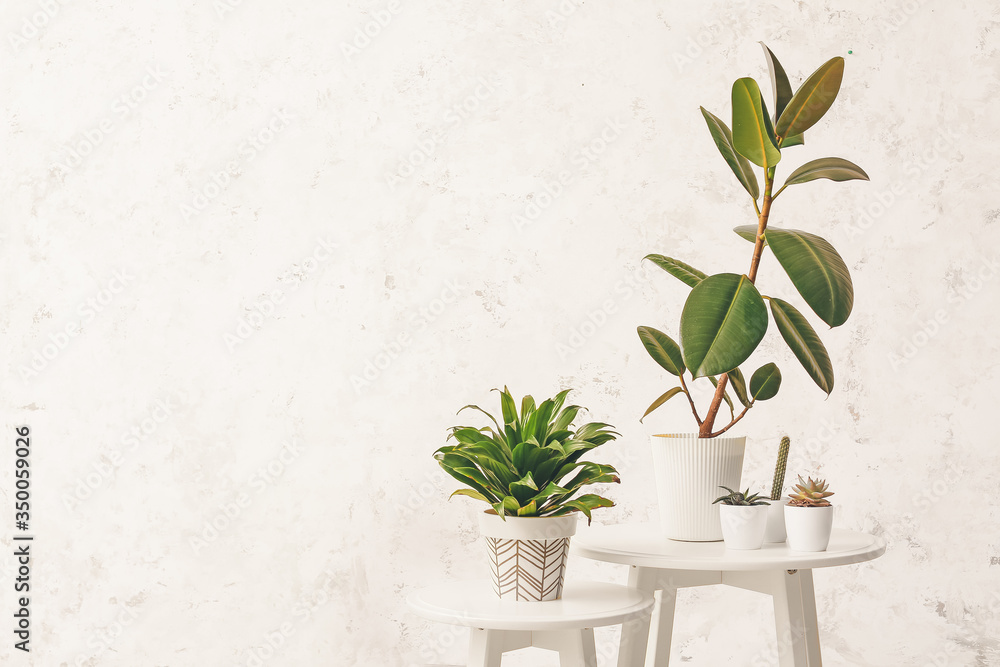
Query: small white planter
x=689, y=471
x=527, y=555
x=808, y=528
x=775, y=532
x=743, y=525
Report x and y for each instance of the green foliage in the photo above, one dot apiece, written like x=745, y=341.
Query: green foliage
x=531, y=466
x=724, y=317
x=688, y=275
x=801, y=338
x=749, y=232
x=832, y=168
x=739, y=385
x=817, y=271
x=812, y=100
x=740, y=165
x=744, y=498
x=753, y=134
x=779, y=82
x=723, y=321
x=764, y=382
x=663, y=350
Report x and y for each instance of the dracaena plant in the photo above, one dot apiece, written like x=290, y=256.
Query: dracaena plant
x=725, y=316
x=530, y=465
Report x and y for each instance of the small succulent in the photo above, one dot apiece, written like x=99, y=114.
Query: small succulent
x=530, y=464
x=736, y=498
x=779, y=469
x=812, y=493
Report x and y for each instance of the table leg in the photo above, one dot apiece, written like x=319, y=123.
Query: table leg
x=636, y=632
x=485, y=647
x=811, y=623
x=795, y=619
x=659, y=627
x=576, y=647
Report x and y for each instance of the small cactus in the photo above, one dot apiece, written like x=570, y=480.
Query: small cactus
x=779, y=469
x=811, y=494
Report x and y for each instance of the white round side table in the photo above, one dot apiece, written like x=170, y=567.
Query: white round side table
x=565, y=625
x=660, y=564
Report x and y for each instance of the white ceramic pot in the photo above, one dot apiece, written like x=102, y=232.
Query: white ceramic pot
x=775, y=532
x=527, y=555
x=689, y=471
x=808, y=528
x=743, y=525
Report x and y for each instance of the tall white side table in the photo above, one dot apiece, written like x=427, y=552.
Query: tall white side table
x=660, y=564
x=565, y=625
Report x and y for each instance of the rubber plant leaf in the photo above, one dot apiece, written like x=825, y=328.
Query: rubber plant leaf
x=688, y=275
x=801, y=338
x=723, y=321
x=764, y=382
x=817, y=270
x=662, y=349
x=812, y=100
x=752, y=130
x=723, y=139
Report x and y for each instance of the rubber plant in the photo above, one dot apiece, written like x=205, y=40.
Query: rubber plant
x=531, y=465
x=725, y=315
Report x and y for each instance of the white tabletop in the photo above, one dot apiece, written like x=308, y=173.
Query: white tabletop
x=585, y=604
x=644, y=545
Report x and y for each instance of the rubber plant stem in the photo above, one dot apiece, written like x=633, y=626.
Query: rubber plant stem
x=705, y=430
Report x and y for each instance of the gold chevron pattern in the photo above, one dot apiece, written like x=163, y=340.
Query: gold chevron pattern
x=531, y=570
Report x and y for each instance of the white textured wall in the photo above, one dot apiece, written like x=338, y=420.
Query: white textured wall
x=348, y=239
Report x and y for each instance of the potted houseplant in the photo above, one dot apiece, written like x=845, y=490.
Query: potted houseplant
x=809, y=516
x=725, y=315
x=776, y=504
x=744, y=519
x=529, y=470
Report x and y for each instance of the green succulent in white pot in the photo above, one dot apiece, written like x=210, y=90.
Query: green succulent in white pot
x=726, y=314
x=809, y=516
x=530, y=471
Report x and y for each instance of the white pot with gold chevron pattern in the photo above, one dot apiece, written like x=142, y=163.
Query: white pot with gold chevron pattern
x=689, y=473
x=527, y=555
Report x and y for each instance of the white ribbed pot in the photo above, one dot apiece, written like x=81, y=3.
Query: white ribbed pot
x=527, y=555
x=689, y=471
x=808, y=528
x=775, y=532
x=743, y=526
